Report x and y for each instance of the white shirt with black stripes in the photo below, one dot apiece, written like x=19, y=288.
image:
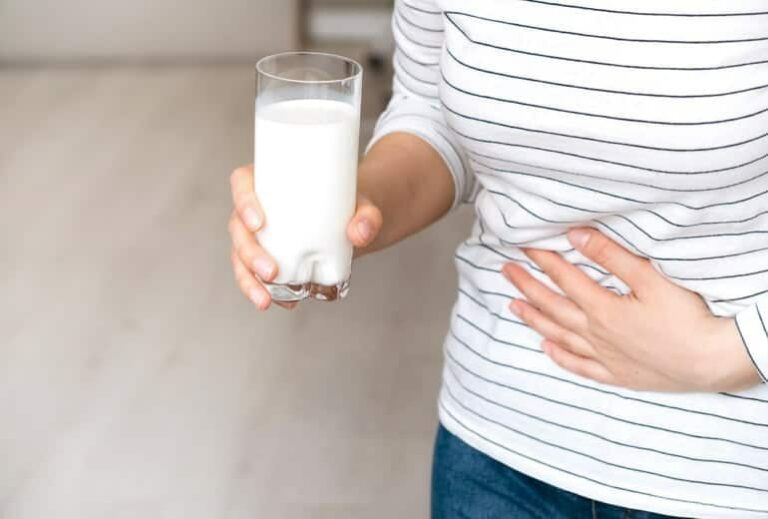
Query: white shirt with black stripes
x=648, y=120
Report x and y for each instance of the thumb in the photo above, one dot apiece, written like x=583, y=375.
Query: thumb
x=635, y=271
x=365, y=224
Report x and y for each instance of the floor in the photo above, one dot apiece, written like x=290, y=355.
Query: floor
x=135, y=381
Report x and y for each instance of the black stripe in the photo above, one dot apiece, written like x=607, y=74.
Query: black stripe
x=638, y=13
x=741, y=298
x=602, y=63
x=643, y=202
x=602, y=116
x=581, y=476
x=410, y=38
x=724, y=276
x=607, y=391
x=414, y=24
x=506, y=343
x=630, y=182
x=619, y=216
x=742, y=397
x=746, y=347
x=399, y=49
x=479, y=267
x=414, y=8
x=489, y=311
x=587, y=409
x=431, y=97
x=601, y=141
x=576, y=429
x=411, y=75
x=586, y=157
x=603, y=90
x=448, y=14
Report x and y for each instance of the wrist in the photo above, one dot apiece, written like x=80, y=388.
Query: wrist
x=729, y=367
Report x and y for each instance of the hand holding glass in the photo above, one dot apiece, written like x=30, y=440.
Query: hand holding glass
x=305, y=170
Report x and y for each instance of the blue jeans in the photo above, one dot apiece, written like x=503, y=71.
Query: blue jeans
x=467, y=484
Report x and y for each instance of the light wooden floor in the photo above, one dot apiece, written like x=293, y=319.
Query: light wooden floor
x=135, y=382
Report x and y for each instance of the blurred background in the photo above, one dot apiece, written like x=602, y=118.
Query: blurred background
x=135, y=381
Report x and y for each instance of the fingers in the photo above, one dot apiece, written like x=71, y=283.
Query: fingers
x=246, y=204
x=636, y=272
x=251, y=254
x=578, y=286
x=249, y=285
x=557, y=307
x=365, y=224
x=581, y=366
x=551, y=330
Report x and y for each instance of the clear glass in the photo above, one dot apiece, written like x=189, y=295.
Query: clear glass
x=306, y=135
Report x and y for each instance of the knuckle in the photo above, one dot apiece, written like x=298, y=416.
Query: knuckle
x=556, y=276
x=600, y=320
x=524, y=284
x=232, y=225
x=240, y=200
x=247, y=254
x=240, y=278
x=240, y=250
x=567, y=339
x=599, y=250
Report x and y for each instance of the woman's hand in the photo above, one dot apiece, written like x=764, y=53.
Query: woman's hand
x=660, y=337
x=251, y=263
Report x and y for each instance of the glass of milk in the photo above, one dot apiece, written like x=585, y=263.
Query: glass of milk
x=305, y=170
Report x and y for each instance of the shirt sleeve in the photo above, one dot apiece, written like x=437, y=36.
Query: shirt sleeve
x=753, y=327
x=415, y=104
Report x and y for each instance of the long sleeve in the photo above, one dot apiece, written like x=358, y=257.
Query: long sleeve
x=415, y=104
x=753, y=326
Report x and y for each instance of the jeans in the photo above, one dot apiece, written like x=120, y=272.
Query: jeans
x=467, y=484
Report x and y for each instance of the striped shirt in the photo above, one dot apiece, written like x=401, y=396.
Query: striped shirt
x=647, y=120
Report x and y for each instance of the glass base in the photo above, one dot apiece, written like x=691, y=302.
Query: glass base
x=290, y=293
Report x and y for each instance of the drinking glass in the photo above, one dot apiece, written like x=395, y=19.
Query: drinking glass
x=306, y=137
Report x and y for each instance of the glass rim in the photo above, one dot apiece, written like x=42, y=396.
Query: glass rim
x=357, y=74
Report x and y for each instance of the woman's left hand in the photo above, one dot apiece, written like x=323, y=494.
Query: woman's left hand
x=660, y=337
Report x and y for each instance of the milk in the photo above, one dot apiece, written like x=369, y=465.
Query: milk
x=305, y=174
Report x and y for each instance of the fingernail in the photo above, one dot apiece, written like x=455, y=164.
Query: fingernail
x=579, y=238
x=258, y=297
x=365, y=230
x=264, y=268
x=252, y=219
x=515, y=308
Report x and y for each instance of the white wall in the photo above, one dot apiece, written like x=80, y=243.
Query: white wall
x=70, y=30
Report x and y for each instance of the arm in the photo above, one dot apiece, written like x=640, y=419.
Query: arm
x=410, y=184
x=414, y=170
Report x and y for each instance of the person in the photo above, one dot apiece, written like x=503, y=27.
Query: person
x=607, y=346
